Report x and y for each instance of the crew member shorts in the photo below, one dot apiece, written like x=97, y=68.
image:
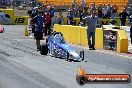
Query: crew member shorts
x=38, y=35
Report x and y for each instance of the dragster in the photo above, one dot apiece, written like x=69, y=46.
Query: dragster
x=56, y=46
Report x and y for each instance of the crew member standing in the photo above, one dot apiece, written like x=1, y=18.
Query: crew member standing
x=48, y=20
x=91, y=22
x=38, y=33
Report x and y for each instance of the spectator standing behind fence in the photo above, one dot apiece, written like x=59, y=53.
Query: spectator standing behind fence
x=109, y=8
x=80, y=14
x=130, y=22
x=55, y=20
x=123, y=16
x=104, y=12
x=100, y=10
x=60, y=18
x=91, y=22
x=70, y=18
x=92, y=8
x=51, y=11
x=34, y=12
x=114, y=11
x=129, y=10
x=44, y=8
x=85, y=14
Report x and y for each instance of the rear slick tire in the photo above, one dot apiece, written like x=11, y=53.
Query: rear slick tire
x=44, y=49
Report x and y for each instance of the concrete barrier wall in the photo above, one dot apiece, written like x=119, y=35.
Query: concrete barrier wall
x=104, y=20
x=78, y=35
x=7, y=17
x=122, y=42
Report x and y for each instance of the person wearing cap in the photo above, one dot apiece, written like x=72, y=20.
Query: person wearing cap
x=38, y=33
x=130, y=22
x=91, y=22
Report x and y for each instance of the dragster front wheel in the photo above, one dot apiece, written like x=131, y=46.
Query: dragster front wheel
x=67, y=56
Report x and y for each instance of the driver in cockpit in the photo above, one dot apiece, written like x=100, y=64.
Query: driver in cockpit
x=58, y=38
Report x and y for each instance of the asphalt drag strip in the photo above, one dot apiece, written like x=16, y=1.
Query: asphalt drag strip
x=21, y=66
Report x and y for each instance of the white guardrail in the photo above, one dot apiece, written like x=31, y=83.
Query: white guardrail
x=126, y=28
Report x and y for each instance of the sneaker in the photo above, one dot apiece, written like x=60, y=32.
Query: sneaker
x=51, y=55
x=38, y=49
x=111, y=48
x=93, y=48
x=90, y=46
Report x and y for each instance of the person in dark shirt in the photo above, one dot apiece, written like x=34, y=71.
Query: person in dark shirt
x=29, y=12
x=51, y=11
x=33, y=13
x=70, y=17
x=100, y=11
x=38, y=33
x=81, y=14
x=85, y=13
x=123, y=16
